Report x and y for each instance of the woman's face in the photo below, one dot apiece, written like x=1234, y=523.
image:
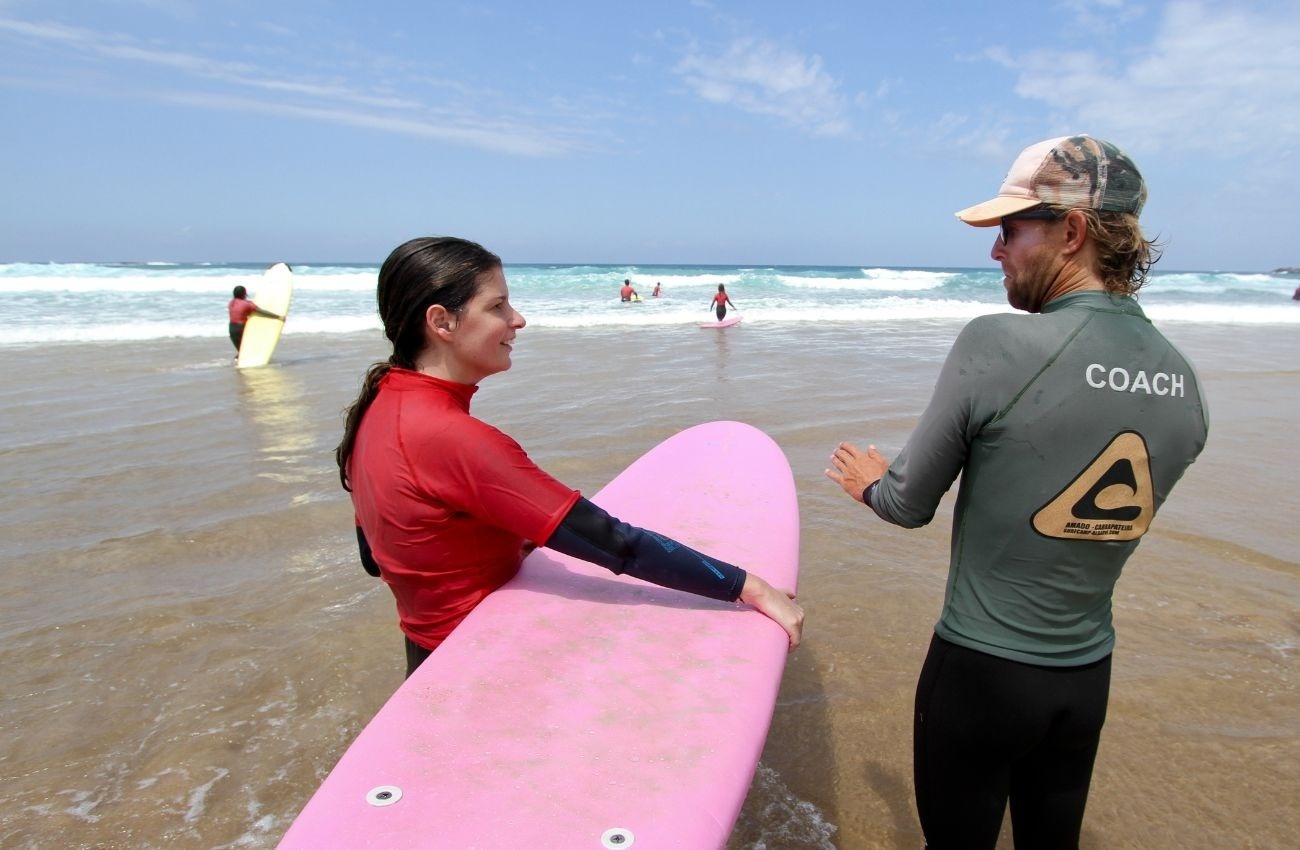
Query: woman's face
x=483, y=331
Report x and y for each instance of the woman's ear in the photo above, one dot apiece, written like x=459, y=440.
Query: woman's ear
x=439, y=322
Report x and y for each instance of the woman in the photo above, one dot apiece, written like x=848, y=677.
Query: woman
x=447, y=505
x=721, y=302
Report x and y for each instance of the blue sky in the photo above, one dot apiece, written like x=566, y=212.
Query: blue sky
x=829, y=133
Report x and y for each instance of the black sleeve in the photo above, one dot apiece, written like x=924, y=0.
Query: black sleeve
x=589, y=533
x=367, y=557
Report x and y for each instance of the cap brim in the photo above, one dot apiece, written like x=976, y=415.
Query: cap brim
x=991, y=212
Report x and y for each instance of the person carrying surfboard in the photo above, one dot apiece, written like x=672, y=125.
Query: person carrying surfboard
x=1068, y=428
x=446, y=505
x=721, y=302
x=240, y=308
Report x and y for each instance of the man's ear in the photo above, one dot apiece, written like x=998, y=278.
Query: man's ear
x=439, y=321
x=1076, y=231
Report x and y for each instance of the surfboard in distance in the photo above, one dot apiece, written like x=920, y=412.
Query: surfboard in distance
x=260, y=333
x=578, y=709
x=725, y=323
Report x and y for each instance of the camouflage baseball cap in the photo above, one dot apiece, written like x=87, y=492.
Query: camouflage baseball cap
x=1070, y=171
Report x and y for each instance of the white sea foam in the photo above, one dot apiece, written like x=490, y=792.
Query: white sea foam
x=786, y=820
x=644, y=281
x=199, y=796
x=127, y=284
x=1216, y=314
x=85, y=302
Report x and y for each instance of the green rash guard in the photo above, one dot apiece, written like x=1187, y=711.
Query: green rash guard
x=1069, y=427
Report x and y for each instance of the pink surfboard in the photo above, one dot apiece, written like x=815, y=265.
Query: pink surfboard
x=725, y=323
x=579, y=709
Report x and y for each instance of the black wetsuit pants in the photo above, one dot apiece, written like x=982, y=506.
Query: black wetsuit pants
x=236, y=334
x=415, y=655
x=988, y=730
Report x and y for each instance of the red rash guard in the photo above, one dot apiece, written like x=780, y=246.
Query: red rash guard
x=240, y=309
x=445, y=501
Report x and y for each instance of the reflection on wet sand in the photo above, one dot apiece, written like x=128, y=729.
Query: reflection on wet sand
x=272, y=399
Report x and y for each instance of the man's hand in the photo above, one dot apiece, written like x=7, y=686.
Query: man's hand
x=855, y=470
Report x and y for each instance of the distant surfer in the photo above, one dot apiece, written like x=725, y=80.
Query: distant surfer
x=241, y=308
x=721, y=302
x=446, y=505
x=627, y=293
x=1296, y=296
x=655, y=294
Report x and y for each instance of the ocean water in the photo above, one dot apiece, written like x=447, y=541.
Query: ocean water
x=189, y=643
x=90, y=302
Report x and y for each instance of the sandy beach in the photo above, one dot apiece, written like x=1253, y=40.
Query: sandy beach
x=190, y=643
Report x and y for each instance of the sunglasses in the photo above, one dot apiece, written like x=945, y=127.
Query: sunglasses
x=1039, y=214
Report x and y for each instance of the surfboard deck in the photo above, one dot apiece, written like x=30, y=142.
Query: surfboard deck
x=575, y=708
x=725, y=323
x=262, y=334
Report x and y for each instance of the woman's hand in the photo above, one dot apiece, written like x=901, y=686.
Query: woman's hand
x=777, y=604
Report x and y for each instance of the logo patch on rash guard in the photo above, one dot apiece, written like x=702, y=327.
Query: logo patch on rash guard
x=1111, y=499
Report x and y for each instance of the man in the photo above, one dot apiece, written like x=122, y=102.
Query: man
x=1069, y=428
x=240, y=308
x=627, y=292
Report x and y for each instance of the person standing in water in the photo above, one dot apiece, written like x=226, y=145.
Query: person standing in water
x=721, y=302
x=240, y=308
x=1069, y=428
x=446, y=505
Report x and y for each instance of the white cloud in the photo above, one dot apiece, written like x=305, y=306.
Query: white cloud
x=1213, y=78
x=1101, y=16
x=501, y=137
x=761, y=77
x=251, y=89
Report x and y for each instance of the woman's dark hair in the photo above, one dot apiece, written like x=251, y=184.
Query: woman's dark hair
x=239, y=292
x=417, y=275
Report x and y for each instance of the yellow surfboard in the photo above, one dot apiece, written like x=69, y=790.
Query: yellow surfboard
x=260, y=333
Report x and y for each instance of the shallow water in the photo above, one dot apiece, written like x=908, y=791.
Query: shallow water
x=190, y=644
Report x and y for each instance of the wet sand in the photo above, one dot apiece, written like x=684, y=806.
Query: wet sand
x=189, y=642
